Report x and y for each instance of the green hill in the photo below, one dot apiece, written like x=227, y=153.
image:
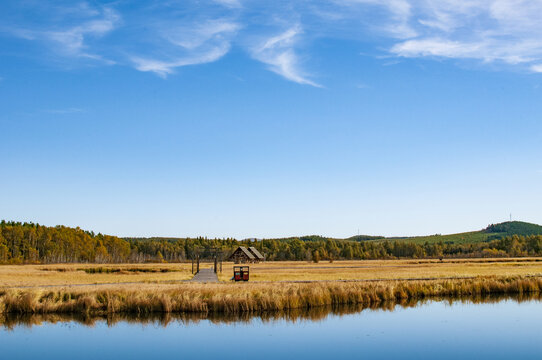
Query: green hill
x=492, y=232
x=515, y=228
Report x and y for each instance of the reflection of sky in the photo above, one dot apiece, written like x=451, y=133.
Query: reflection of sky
x=436, y=330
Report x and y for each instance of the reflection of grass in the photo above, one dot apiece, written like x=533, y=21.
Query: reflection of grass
x=248, y=298
x=387, y=269
x=10, y=320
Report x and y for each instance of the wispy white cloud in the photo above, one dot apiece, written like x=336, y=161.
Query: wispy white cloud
x=200, y=43
x=278, y=53
x=486, y=50
x=71, y=110
x=71, y=40
x=394, y=20
x=161, y=37
x=487, y=30
x=230, y=3
x=195, y=35
x=438, y=47
x=164, y=68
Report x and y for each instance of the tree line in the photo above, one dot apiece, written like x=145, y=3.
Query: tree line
x=34, y=243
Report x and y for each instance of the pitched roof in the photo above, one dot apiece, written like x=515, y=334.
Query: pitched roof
x=256, y=252
x=247, y=253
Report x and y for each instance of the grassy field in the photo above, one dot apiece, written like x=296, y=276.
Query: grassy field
x=76, y=274
x=83, y=274
x=387, y=269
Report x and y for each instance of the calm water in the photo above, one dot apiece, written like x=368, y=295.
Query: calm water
x=435, y=330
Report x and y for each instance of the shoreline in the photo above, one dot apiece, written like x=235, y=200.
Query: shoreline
x=9, y=320
x=254, y=298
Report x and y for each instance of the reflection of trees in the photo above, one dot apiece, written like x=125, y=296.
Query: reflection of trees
x=10, y=321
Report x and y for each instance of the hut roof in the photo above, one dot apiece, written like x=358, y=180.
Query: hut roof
x=247, y=253
x=256, y=252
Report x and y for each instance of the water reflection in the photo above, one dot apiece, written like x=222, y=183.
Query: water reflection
x=11, y=321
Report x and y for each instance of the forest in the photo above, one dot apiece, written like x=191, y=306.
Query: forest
x=33, y=243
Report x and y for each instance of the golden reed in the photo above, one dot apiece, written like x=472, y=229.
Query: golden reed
x=251, y=298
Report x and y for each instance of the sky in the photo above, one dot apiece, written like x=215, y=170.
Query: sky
x=245, y=118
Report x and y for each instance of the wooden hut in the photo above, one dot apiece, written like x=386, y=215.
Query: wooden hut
x=242, y=255
x=259, y=257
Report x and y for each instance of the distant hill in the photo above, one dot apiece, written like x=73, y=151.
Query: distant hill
x=365, y=238
x=515, y=228
x=492, y=232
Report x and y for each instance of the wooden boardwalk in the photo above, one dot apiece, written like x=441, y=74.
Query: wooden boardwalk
x=205, y=276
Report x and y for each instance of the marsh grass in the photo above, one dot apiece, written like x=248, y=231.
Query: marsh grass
x=77, y=274
x=127, y=270
x=10, y=320
x=252, y=298
x=388, y=269
x=80, y=274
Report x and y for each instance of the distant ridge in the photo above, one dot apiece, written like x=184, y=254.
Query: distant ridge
x=491, y=232
x=515, y=228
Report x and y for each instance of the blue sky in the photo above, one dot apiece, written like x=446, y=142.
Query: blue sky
x=263, y=119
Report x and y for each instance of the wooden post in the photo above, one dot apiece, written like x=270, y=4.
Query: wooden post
x=197, y=265
x=216, y=263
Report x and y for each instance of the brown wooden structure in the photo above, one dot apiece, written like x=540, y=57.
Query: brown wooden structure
x=214, y=254
x=241, y=273
x=256, y=253
x=242, y=255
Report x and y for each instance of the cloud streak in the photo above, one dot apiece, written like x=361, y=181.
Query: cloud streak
x=161, y=37
x=229, y=3
x=490, y=31
x=199, y=43
x=64, y=111
x=278, y=53
x=394, y=21
x=71, y=40
x=165, y=68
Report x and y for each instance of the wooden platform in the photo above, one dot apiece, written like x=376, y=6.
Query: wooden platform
x=205, y=275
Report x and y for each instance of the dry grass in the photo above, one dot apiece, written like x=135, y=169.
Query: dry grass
x=10, y=320
x=387, y=269
x=74, y=274
x=155, y=288
x=249, y=298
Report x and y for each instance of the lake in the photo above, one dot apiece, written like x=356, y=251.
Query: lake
x=503, y=329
